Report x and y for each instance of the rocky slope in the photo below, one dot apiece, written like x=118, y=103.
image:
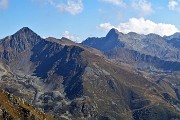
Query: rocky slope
x=174, y=40
x=154, y=51
x=154, y=57
x=142, y=61
x=71, y=81
x=14, y=108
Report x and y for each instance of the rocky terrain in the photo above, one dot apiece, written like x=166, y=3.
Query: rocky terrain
x=154, y=57
x=13, y=108
x=73, y=81
x=151, y=44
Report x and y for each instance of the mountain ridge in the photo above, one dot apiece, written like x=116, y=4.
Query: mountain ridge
x=152, y=45
x=72, y=81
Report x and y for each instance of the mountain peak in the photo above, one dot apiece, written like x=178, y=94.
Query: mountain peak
x=25, y=30
x=26, y=34
x=113, y=33
x=22, y=40
x=114, y=30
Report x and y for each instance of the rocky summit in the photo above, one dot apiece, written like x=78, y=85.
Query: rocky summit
x=143, y=51
x=117, y=77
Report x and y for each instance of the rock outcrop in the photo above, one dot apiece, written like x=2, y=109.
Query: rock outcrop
x=71, y=81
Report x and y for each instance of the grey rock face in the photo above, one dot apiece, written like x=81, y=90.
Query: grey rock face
x=45, y=73
x=106, y=43
x=70, y=81
x=153, y=50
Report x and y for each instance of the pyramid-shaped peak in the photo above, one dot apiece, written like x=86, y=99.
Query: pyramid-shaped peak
x=25, y=28
x=25, y=36
x=113, y=33
x=113, y=30
x=25, y=31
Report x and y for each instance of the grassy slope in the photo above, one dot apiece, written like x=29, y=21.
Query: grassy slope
x=124, y=94
x=17, y=108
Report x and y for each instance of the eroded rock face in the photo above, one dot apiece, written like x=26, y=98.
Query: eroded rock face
x=82, y=108
x=142, y=51
x=105, y=43
x=65, y=62
x=21, y=41
x=71, y=82
x=142, y=61
x=48, y=73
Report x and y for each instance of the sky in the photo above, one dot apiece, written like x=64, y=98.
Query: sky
x=80, y=19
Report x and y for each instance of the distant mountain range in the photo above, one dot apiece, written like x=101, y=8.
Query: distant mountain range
x=117, y=77
x=154, y=51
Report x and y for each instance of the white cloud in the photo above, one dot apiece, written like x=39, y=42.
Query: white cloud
x=72, y=37
x=72, y=6
x=4, y=4
x=142, y=26
x=105, y=26
x=115, y=2
x=142, y=6
x=174, y=5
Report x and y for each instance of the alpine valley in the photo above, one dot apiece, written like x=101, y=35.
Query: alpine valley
x=116, y=77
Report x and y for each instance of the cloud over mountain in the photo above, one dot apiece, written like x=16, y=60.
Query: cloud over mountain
x=72, y=37
x=142, y=26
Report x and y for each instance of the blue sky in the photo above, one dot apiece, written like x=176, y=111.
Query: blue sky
x=79, y=19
